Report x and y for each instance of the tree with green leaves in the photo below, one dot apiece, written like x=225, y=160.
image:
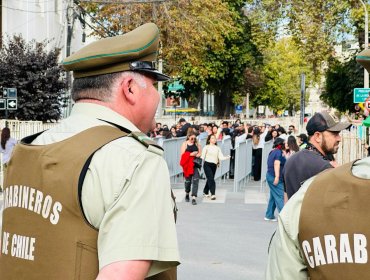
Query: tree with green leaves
x=316, y=25
x=205, y=43
x=36, y=75
x=284, y=62
x=231, y=63
x=341, y=79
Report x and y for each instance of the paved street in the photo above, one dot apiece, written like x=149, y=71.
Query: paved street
x=225, y=239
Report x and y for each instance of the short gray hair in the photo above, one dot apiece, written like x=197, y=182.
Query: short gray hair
x=101, y=87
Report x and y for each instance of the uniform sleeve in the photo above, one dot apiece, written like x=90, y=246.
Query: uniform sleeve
x=135, y=215
x=285, y=260
x=140, y=224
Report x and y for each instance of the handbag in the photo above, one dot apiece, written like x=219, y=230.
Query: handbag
x=198, y=162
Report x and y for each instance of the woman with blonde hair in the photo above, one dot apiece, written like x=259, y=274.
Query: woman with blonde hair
x=190, y=150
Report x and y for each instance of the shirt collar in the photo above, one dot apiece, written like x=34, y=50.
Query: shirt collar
x=103, y=113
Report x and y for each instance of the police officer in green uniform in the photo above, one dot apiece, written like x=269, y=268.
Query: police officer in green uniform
x=323, y=230
x=91, y=197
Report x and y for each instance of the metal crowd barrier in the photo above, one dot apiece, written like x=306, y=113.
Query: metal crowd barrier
x=243, y=161
x=224, y=167
x=265, y=153
x=171, y=155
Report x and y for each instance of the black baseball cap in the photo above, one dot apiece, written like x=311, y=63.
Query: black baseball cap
x=325, y=121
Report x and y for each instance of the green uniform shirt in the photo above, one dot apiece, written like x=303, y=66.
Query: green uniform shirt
x=126, y=193
x=286, y=260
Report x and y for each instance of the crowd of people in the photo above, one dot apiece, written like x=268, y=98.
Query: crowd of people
x=286, y=143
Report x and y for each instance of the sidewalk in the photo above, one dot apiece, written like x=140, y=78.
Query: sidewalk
x=226, y=239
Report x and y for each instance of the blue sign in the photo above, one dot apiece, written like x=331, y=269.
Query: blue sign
x=360, y=94
x=239, y=109
x=175, y=86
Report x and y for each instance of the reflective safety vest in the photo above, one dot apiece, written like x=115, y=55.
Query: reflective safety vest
x=334, y=227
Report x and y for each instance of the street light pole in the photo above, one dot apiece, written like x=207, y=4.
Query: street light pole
x=366, y=74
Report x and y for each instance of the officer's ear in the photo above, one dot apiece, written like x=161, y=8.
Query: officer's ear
x=128, y=89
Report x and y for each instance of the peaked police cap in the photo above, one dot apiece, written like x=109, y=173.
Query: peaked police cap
x=133, y=51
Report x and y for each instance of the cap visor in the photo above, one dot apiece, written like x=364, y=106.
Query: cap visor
x=339, y=127
x=158, y=76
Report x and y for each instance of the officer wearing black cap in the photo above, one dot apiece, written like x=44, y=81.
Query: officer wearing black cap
x=323, y=130
x=90, y=208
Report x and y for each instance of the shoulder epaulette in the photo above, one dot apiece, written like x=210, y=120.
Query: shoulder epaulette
x=144, y=139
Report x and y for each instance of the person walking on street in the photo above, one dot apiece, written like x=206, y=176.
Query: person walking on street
x=323, y=129
x=7, y=145
x=6, y=148
x=190, y=149
x=274, y=178
x=211, y=155
x=90, y=208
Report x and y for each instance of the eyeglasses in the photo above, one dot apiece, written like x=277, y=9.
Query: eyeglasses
x=192, y=138
x=138, y=65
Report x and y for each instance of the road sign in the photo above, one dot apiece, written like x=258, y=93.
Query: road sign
x=2, y=104
x=360, y=94
x=12, y=92
x=175, y=86
x=11, y=103
x=238, y=109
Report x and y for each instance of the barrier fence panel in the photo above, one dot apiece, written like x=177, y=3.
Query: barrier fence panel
x=226, y=150
x=159, y=140
x=265, y=153
x=202, y=142
x=21, y=129
x=352, y=145
x=243, y=161
x=239, y=167
x=171, y=155
x=224, y=167
x=248, y=159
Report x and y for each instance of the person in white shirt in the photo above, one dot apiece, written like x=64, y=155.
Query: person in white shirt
x=258, y=142
x=211, y=155
x=7, y=145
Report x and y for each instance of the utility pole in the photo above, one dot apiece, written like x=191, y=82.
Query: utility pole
x=303, y=94
x=70, y=16
x=366, y=44
x=160, y=90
